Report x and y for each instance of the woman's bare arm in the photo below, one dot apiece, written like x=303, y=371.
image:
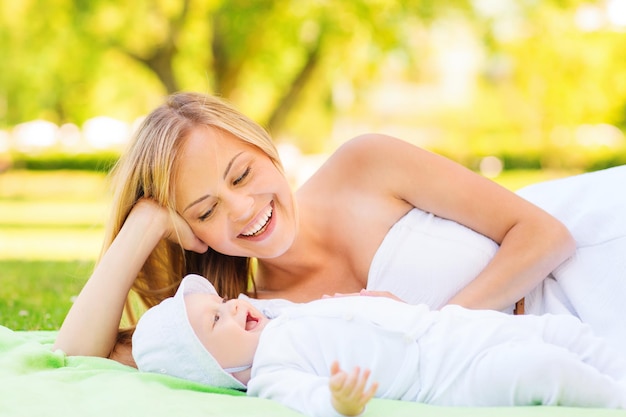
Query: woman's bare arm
x=91, y=326
x=532, y=242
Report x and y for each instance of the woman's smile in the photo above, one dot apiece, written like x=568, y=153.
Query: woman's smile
x=262, y=225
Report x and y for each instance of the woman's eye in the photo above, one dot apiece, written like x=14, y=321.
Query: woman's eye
x=206, y=214
x=242, y=176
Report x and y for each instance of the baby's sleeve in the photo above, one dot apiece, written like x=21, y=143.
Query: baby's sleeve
x=304, y=392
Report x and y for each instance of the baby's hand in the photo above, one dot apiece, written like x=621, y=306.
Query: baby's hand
x=349, y=396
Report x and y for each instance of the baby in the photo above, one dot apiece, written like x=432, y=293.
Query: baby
x=452, y=357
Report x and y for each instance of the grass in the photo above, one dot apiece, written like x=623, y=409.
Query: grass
x=36, y=295
x=51, y=226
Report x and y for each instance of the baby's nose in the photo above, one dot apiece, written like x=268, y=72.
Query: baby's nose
x=232, y=306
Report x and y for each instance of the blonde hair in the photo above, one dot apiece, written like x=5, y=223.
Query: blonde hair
x=147, y=170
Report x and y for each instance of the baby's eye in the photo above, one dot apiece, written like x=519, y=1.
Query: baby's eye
x=216, y=318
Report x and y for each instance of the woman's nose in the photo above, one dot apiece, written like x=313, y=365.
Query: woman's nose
x=240, y=207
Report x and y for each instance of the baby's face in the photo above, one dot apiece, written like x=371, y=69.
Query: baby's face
x=229, y=330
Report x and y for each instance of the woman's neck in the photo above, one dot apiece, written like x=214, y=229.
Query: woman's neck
x=316, y=263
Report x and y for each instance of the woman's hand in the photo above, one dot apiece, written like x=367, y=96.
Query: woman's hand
x=385, y=294
x=176, y=229
x=366, y=293
x=349, y=395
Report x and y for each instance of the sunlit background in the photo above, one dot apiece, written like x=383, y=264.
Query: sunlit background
x=467, y=78
x=518, y=90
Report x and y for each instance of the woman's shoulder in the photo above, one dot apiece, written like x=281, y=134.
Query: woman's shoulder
x=361, y=177
x=370, y=147
x=371, y=155
x=349, y=166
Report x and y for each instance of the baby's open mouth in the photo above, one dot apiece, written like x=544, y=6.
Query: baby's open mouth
x=251, y=322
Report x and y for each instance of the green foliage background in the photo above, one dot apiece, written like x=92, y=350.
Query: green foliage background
x=288, y=63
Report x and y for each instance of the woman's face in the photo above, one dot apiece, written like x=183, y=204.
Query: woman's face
x=233, y=196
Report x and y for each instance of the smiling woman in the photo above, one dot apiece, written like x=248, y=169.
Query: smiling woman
x=231, y=206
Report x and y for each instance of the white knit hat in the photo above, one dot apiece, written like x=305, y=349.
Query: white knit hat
x=164, y=341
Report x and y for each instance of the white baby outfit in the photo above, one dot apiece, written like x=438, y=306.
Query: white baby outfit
x=449, y=357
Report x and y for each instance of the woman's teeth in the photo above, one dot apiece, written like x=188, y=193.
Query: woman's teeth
x=260, y=224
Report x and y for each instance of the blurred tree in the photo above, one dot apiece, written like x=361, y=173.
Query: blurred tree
x=236, y=48
x=52, y=69
x=38, y=61
x=551, y=74
x=292, y=64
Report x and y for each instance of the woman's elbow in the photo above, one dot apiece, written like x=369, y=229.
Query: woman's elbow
x=562, y=238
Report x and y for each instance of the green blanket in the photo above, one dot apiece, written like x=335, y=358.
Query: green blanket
x=34, y=381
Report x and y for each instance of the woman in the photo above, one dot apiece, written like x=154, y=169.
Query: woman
x=201, y=190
